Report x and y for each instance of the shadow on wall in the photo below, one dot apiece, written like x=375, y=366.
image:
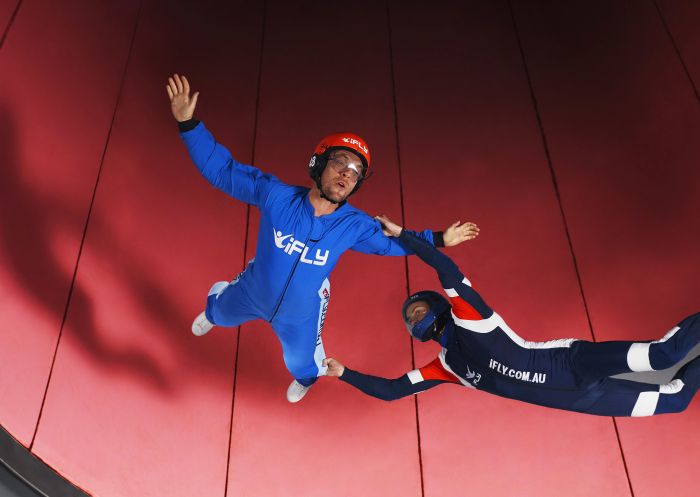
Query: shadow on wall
x=28, y=223
x=34, y=221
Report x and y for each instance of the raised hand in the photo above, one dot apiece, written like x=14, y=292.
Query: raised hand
x=457, y=233
x=181, y=105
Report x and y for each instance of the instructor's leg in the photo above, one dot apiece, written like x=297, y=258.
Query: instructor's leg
x=600, y=359
x=630, y=398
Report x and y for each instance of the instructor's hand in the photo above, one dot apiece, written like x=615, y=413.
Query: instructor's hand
x=181, y=105
x=389, y=228
x=457, y=233
x=334, y=367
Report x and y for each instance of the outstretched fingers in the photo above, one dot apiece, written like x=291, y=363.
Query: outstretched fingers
x=457, y=233
x=178, y=82
x=469, y=231
x=172, y=86
x=181, y=105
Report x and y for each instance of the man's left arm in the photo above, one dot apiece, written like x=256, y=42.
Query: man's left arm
x=377, y=242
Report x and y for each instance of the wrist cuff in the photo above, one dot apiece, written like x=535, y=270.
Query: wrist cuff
x=188, y=125
x=347, y=373
x=438, y=239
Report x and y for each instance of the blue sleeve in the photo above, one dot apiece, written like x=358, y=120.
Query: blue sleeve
x=450, y=275
x=385, y=389
x=376, y=242
x=216, y=164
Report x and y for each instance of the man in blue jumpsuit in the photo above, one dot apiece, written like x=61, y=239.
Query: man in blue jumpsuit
x=481, y=351
x=302, y=234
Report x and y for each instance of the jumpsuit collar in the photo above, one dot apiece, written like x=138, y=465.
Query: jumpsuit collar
x=336, y=213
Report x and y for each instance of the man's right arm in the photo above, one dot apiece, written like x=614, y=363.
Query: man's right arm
x=218, y=166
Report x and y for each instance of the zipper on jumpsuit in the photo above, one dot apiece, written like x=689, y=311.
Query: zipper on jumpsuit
x=289, y=278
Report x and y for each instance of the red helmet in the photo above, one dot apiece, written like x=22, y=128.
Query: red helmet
x=339, y=141
x=347, y=141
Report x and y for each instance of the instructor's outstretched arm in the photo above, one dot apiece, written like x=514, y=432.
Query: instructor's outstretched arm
x=382, y=242
x=381, y=388
x=456, y=285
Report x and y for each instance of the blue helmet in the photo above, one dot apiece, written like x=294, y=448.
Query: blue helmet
x=433, y=321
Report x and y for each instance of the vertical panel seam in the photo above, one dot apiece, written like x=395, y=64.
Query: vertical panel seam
x=677, y=50
x=87, y=223
x=10, y=23
x=552, y=172
x=403, y=223
x=246, y=239
x=563, y=214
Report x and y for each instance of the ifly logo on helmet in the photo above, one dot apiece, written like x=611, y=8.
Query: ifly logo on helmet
x=359, y=144
x=289, y=245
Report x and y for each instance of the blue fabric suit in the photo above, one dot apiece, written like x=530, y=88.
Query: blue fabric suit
x=287, y=283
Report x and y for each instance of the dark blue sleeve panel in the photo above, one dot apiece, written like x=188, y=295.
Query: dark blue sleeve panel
x=216, y=164
x=385, y=389
x=456, y=285
x=376, y=242
x=418, y=380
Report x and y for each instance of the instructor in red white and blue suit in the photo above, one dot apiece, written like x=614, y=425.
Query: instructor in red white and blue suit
x=303, y=232
x=479, y=350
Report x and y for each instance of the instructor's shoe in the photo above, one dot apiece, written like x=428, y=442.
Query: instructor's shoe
x=296, y=391
x=201, y=325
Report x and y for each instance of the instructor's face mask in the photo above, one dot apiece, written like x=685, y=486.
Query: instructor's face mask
x=425, y=314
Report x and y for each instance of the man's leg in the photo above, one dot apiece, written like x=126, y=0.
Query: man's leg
x=601, y=359
x=227, y=305
x=303, y=359
x=303, y=354
x=302, y=345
